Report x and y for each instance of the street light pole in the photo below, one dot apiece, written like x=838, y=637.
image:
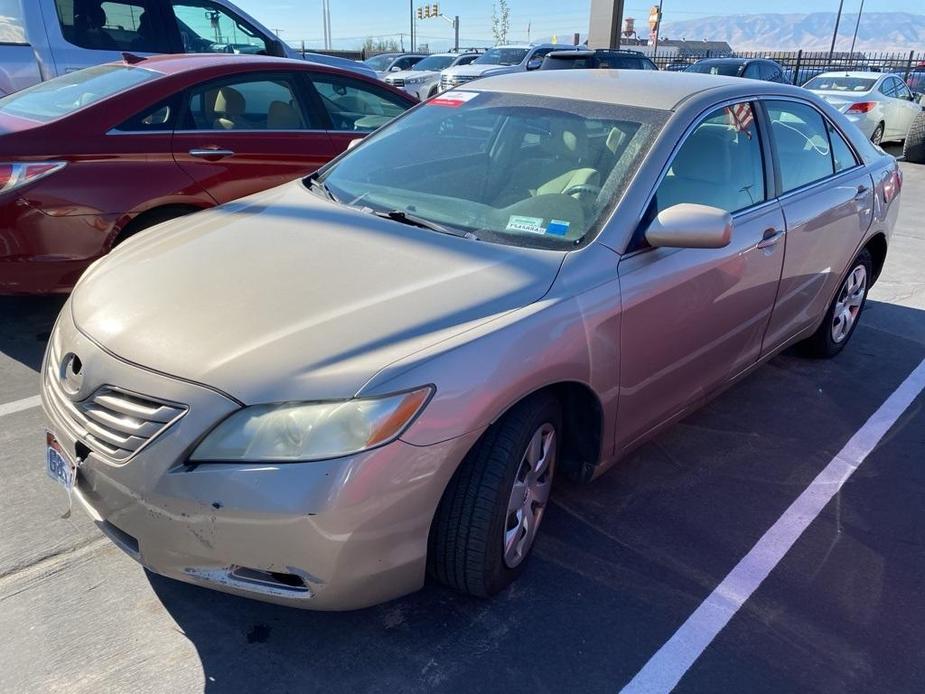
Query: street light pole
x=411, y=7
x=841, y=4
x=857, y=24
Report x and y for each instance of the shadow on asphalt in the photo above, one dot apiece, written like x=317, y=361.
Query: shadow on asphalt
x=620, y=564
x=25, y=324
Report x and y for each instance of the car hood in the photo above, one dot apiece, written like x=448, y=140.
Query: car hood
x=285, y=296
x=411, y=74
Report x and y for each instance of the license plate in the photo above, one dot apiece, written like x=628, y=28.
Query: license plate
x=57, y=464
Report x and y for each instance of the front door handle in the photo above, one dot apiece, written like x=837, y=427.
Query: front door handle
x=771, y=237
x=210, y=154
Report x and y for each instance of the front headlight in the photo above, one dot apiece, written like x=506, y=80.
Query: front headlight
x=415, y=80
x=301, y=432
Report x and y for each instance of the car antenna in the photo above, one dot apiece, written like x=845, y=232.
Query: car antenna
x=132, y=59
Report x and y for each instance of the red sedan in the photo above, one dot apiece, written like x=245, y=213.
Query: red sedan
x=90, y=158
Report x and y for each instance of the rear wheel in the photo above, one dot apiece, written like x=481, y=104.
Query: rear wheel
x=152, y=218
x=491, y=511
x=845, y=310
x=877, y=136
x=914, y=147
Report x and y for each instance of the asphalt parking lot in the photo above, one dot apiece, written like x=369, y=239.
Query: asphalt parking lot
x=620, y=566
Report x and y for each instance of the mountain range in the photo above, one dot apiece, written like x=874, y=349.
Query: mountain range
x=878, y=31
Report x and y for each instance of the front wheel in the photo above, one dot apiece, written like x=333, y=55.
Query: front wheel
x=489, y=516
x=845, y=310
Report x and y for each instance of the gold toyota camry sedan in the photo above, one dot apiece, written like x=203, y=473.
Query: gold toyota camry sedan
x=320, y=394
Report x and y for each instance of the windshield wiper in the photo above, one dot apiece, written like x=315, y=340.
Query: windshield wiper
x=413, y=220
x=321, y=186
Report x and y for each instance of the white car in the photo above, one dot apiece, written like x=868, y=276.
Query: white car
x=880, y=104
x=499, y=60
x=423, y=79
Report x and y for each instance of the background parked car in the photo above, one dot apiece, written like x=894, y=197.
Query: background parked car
x=95, y=156
x=47, y=38
x=422, y=80
x=750, y=68
x=880, y=104
x=498, y=61
x=600, y=59
x=385, y=63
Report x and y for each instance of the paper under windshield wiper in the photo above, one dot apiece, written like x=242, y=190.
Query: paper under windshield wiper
x=413, y=220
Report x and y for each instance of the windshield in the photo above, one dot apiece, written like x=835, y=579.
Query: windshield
x=63, y=95
x=829, y=83
x=728, y=69
x=380, y=63
x=502, y=56
x=516, y=169
x=434, y=63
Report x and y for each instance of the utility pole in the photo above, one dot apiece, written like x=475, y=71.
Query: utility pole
x=857, y=24
x=841, y=4
x=411, y=9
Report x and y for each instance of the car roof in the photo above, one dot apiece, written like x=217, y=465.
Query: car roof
x=183, y=62
x=644, y=88
x=726, y=60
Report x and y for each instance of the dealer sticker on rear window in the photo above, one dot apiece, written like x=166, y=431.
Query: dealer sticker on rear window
x=531, y=225
x=453, y=99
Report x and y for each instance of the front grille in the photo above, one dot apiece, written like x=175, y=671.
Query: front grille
x=395, y=81
x=448, y=82
x=113, y=422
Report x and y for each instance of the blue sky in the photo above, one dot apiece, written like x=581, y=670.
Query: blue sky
x=352, y=20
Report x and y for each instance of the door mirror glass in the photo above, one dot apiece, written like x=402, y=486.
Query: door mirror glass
x=689, y=225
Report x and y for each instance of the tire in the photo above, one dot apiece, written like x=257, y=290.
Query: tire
x=877, y=135
x=433, y=91
x=914, y=147
x=477, y=546
x=836, y=330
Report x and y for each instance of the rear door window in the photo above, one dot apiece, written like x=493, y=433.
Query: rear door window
x=801, y=141
x=11, y=23
x=114, y=25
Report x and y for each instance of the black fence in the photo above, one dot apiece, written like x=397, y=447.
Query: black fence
x=802, y=66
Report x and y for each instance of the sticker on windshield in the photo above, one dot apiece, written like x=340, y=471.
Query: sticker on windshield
x=453, y=99
x=530, y=225
x=557, y=227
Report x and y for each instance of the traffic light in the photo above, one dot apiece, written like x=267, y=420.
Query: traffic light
x=426, y=11
x=420, y=13
x=435, y=10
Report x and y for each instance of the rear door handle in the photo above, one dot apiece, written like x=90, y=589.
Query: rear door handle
x=210, y=154
x=771, y=238
x=862, y=191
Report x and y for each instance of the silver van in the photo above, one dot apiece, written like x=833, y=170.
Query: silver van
x=41, y=39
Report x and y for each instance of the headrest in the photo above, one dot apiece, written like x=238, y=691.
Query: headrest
x=566, y=143
x=228, y=101
x=282, y=116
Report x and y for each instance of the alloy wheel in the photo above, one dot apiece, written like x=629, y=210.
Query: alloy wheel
x=848, y=305
x=529, y=494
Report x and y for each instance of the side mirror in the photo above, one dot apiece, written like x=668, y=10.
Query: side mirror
x=690, y=226
x=353, y=143
x=395, y=68
x=534, y=63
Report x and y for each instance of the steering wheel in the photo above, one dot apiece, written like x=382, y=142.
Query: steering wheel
x=582, y=188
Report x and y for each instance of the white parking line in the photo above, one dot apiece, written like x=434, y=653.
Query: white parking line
x=669, y=664
x=20, y=405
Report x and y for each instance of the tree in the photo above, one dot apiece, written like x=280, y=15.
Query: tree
x=500, y=21
x=372, y=46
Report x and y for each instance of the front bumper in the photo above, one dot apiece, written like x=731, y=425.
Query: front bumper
x=333, y=535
